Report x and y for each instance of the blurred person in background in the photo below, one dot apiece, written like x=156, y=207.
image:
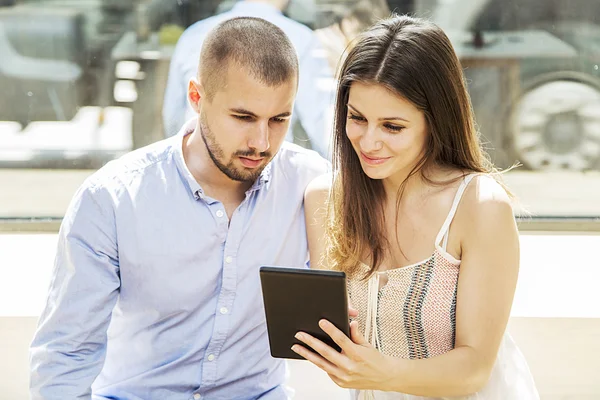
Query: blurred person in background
x=315, y=95
x=348, y=23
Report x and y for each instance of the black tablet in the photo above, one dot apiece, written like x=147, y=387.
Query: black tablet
x=296, y=299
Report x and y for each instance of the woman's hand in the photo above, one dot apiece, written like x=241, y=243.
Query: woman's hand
x=358, y=366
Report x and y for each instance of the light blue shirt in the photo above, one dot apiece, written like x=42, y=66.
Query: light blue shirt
x=143, y=244
x=314, y=100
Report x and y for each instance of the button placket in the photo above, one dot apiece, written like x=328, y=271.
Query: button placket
x=226, y=296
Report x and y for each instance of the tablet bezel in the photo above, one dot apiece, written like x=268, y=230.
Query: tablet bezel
x=310, y=295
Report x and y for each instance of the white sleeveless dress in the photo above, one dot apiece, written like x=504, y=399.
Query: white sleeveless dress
x=413, y=316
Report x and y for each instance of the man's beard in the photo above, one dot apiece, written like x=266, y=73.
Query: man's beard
x=230, y=170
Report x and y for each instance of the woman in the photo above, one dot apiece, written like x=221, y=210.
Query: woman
x=420, y=224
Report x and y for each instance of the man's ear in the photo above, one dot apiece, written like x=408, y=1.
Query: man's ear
x=195, y=94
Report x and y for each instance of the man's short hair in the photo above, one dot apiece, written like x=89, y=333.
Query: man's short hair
x=252, y=43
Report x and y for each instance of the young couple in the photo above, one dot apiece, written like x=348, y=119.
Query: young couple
x=156, y=292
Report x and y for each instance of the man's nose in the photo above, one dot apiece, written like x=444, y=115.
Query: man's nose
x=260, y=138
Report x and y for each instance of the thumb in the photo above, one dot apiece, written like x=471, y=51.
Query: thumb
x=355, y=334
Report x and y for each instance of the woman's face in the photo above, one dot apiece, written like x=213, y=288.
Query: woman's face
x=387, y=132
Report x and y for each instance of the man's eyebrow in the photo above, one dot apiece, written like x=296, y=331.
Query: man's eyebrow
x=242, y=111
x=250, y=113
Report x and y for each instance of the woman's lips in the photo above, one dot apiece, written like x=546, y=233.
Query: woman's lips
x=373, y=160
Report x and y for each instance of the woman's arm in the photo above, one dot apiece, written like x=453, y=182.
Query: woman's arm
x=315, y=211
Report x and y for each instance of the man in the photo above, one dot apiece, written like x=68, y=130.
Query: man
x=165, y=244
x=314, y=98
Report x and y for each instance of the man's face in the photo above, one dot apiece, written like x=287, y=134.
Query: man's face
x=245, y=123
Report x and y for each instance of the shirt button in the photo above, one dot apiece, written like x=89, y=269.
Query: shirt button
x=228, y=259
x=197, y=396
x=220, y=213
x=211, y=357
x=223, y=310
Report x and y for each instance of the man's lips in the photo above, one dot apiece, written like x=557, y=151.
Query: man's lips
x=251, y=162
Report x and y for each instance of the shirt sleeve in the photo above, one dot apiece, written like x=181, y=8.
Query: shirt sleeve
x=314, y=101
x=69, y=346
x=175, y=100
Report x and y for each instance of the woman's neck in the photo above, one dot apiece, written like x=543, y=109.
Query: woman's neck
x=410, y=178
x=417, y=183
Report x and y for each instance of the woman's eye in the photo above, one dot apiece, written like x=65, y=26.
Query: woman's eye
x=393, y=128
x=356, y=118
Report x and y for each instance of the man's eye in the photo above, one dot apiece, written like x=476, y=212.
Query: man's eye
x=243, y=117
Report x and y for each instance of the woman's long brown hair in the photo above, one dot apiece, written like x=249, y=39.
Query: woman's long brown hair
x=414, y=59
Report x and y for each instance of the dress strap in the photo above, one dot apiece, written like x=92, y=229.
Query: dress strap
x=371, y=328
x=443, y=234
x=371, y=332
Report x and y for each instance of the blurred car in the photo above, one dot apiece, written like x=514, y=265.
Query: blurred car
x=555, y=122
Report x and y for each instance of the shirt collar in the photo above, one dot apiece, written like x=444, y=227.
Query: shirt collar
x=189, y=179
x=263, y=179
